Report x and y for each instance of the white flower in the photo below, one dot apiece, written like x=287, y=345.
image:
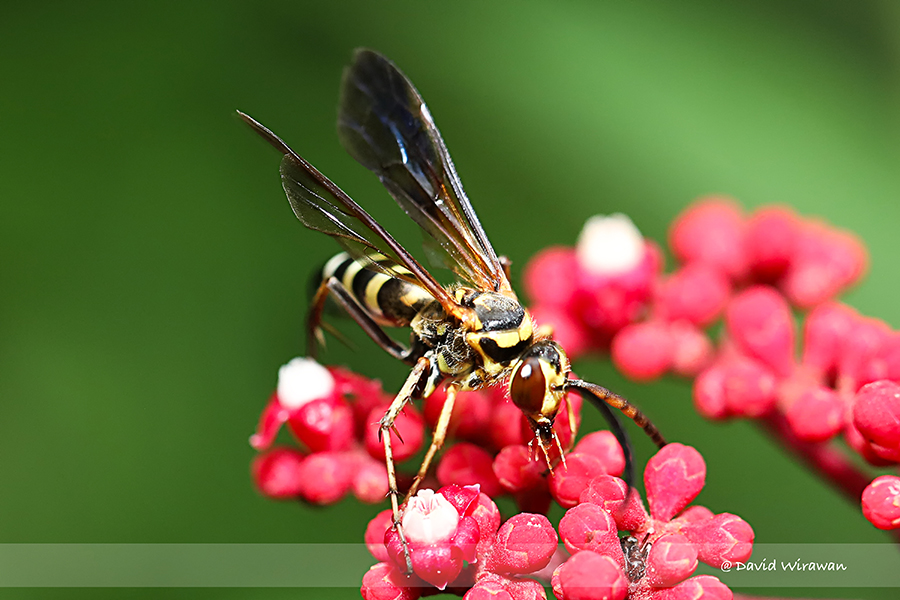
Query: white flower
x=610, y=245
x=429, y=518
x=303, y=380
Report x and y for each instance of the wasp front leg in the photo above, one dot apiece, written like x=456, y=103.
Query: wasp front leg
x=437, y=440
x=416, y=381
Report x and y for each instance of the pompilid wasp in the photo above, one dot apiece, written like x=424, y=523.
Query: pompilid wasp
x=465, y=336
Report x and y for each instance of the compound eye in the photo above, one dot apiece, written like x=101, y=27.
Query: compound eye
x=529, y=386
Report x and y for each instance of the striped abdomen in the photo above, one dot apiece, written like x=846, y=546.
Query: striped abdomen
x=389, y=300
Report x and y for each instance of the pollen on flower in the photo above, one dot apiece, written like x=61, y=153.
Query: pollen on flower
x=429, y=518
x=610, y=245
x=303, y=380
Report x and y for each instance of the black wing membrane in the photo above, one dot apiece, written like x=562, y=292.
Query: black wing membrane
x=384, y=124
x=323, y=206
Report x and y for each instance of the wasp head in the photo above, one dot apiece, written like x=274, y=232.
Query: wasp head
x=537, y=387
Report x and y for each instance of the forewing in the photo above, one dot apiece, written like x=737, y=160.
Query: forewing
x=323, y=206
x=384, y=124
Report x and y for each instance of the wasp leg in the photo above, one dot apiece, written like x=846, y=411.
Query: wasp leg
x=346, y=300
x=416, y=380
x=437, y=439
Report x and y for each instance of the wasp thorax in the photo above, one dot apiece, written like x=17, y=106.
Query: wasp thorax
x=537, y=386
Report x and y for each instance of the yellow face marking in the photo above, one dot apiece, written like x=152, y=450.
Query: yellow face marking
x=552, y=398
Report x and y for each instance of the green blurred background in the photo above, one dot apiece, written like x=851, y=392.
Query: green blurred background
x=153, y=278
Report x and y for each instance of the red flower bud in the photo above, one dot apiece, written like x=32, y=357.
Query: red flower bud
x=725, y=537
x=524, y=544
x=759, y=320
x=589, y=527
x=609, y=493
x=384, y=582
x=643, y=351
x=711, y=231
x=406, y=441
x=702, y=587
x=673, y=477
x=881, y=502
x=374, y=535
x=605, y=446
x=876, y=413
x=826, y=262
x=370, y=481
x=692, y=350
x=277, y=473
x=548, y=277
x=567, y=328
x=672, y=559
x=567, y=483
x=772, y=235
x=326, y=476
x=516, y=471
x=817, y=415
x=827, y=327
x=696, y=293
x=749, y=388
x=468, y=464
x=590, y=576
x=709, y=392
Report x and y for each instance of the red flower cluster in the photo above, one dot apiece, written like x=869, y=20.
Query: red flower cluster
x=329, y=411
x=657, y=561
x=455, y=539
x=752, y=272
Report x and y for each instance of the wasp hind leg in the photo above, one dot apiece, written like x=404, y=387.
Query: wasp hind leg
x=358, y=313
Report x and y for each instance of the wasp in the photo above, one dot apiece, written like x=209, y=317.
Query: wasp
x=466, y=336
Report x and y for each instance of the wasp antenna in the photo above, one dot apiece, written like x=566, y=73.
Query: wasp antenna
x=616, y=401
x=615, y=425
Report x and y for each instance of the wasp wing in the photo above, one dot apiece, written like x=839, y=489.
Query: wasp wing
x=323, y=206
x=384, y=124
